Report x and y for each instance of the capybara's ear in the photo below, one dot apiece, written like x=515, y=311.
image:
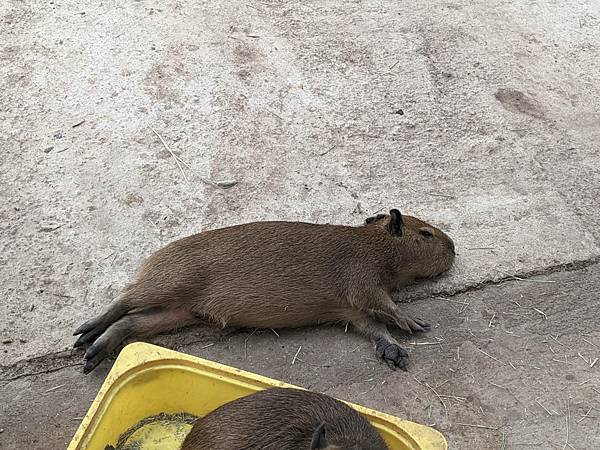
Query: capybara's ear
x=394, y=227
x=319, y=439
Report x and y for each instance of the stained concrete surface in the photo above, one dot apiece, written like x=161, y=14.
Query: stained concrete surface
x=513, y=363
x=480, y=117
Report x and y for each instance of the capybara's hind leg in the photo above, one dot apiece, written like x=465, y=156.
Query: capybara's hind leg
x=145, y=323
x=93, y=328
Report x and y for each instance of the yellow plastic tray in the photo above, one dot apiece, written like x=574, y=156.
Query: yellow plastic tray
x=147, y=380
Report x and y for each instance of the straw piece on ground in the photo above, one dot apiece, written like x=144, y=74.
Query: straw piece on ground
x=490, y=356
x=55, y=388
x=586, y=414
x=296, y=355
x=246, y=344
x=542, y=313
x=537, y=400
x=486, y=427
x=436, y=394
x=171, y=152
x=568, y=419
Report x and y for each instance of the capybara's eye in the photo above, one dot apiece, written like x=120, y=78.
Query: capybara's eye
x=426, y=232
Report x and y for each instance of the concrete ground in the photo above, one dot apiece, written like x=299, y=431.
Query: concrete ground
x=481, y=117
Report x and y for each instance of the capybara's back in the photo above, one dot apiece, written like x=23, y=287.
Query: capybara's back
x=283, y=419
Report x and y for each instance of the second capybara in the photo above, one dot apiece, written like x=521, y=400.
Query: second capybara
x=283, y=419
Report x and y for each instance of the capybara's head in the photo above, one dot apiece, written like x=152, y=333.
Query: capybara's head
x=428, y=250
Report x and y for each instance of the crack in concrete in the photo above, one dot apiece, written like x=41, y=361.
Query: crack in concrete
x=18, y=370
x=40, y=372
x=519, y=276
x=52, y=362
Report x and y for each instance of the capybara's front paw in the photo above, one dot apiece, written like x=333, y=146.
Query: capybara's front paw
x=394, y=355
x=409, y=324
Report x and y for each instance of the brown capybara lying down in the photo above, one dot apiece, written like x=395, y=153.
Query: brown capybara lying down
x=283, y=419
x=277, y=275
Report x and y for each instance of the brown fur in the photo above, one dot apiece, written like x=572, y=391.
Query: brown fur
x=276, y=275
x=283, y=419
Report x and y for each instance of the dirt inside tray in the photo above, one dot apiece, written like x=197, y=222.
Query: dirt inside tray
x=162, y=431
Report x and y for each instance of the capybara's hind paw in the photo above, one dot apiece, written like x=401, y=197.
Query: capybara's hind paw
x=94, y=356
x=86, y=339
x=88, y=332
